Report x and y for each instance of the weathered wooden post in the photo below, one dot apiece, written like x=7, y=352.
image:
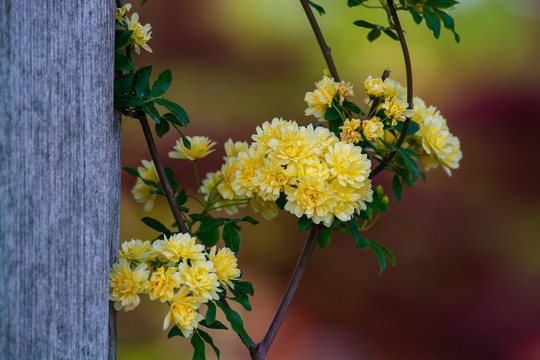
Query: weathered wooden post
x=59, y=179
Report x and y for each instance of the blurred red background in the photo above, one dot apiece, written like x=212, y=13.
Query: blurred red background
x=467, y=280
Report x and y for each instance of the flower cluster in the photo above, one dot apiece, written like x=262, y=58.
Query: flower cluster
x=141, y=34
x=327, y=91
x=320, y=176
x=175, y=270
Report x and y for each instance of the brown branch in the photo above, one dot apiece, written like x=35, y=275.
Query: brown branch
x=326, y=50
x=161, y=172
x=408, y=69
x=260, y=350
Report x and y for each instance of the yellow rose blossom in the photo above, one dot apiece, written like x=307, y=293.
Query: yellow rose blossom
x=226, y=265
x=271, y=178
x=325, y=138
x=228, y=170
x=201, y=279
x=232, y=149
x=320, y=99
x=268, y=131
x=348, y=200
x=344, y=90
x=422, y=111
x=452, y=159
x=201, y=146
x=136, y=251
x=183, y=312
x=267, y=208
x=125, y=285
x=121, y=12
x=311, y=197
x=179, y=247
x=319, y=170
x=440, y=144
x=348, y=131
x=397, y=109
x=393, y=88
x=375, y=88
x=143, y=192
x=295, y=145
x=141, y=34
x=373, y=128
x=348, y=164
x=248, y=162
x=162, y=283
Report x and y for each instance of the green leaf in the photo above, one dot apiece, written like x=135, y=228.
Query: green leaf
x=172, y=119
x=397, y=187
x=448, y=22
x=380, y=200
x=175, y=331
x=366, y=24
x=248, y=219
x=231, y=238
x=373, y=34
x=281, y=201
x=390, y=33
x=413, y=127
x=156, y=225
x=162, y=127
x=210, y=223
x=244, y=286
x=304, y=223
x=122, y=63
x=380, y=257
x=417, y=15
x=132, y=171
x=241, y=298
x=352, y=3
x=161, y=85
x=210, y=237
x=210, y=313
x=319, y=8
x=236, y=322
x=172, y=181
x=185, y=141
x=142, y=81
x=198, y=347
x=331, y=114
x=324, y=238
x=175, y=109
x=121, y=38
x=206, y=337
x=407, y=155
x=335, y=125
x=123, y=83
x=381, y=251
x=151, y=110
x=215, y=325
x=181, y=198
x=352, y=107
x=433, y=22
x=127, y=101
x=354, y=231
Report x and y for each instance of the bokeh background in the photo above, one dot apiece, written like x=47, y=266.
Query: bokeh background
x=467, y=280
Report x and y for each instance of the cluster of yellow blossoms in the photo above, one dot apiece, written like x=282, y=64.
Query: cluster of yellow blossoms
x=320, y=176
x=175, y=270
x=320, y=99
x=141, y=34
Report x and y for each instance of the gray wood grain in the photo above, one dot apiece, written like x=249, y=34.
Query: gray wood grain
x=59, y=179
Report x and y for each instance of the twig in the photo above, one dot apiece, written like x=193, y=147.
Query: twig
x=326, y=50
x=161, y=172
x=408, y=69
x=260, y=350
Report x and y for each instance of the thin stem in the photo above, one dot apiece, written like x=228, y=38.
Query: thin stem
x=197, y=178
x=161, y=172
x=326, y=50
x=260, y=350
x=408, y=69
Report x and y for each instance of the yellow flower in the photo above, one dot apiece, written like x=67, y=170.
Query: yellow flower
x=136, y=251
x=396, y=109
x=228, y=171
x=226, y=265
x=295, y=145
x=348, y=131
x=179, y=247
x=183, y=312
x=393, y=88
x=143, y=192
x=348, y=164
x=162, y=284
x=141, y=34
x=120, y=12
x=375, y=88
x=320, y=99
x=248, y=162
x=271, y=178
x=373, y=128
x=325, y=138
x=201, y=279
x=200, y=147
x=125, y=285
x=268, y=131
x=267, y=208
x=344, y=90
x=232, y=149
x=312, y=198
x=440, y=144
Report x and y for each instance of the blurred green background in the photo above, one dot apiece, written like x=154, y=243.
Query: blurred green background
x=467, y=280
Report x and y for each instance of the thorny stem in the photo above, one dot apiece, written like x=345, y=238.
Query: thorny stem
x=408, y=69
x=259, y=351
x=326, y=50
